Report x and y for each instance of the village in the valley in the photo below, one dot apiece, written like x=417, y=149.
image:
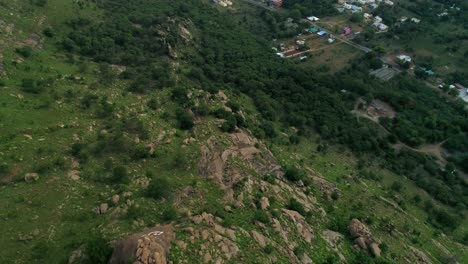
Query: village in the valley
x=331, y=41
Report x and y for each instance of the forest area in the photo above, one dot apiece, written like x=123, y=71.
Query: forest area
x=227, y=55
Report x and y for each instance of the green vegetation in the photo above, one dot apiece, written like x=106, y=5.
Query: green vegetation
x=122, y=98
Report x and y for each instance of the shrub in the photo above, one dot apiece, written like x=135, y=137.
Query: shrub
x=97, y=250
x=230, y=124
x=169, y=214
x=25, y=51
x=30, y=86
x=296, y=206
x=335, y=195
x=396, y=186
x=261, y=216
x=185, y=120
x=119, y=175
x=294, y=174
x=153, y=104
x=268, y=249
x=159, y=188
x=48, y=32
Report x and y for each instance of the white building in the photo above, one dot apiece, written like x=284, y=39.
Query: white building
x=415, y=20
x=377, y=19
x=404, y=58
x=313, y=18
x=388, y=2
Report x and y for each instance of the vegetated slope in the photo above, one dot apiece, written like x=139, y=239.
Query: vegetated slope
x=114, y=123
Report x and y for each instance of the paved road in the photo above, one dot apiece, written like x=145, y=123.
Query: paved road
x=343, y=39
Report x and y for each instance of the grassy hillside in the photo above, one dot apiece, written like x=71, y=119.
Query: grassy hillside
x=120, y=116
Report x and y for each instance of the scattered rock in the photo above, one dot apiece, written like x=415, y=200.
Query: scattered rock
x=150, y=148
x=75, y=256
x=306, y=259
x=264, y=203
x=103, y=208
x=115, y=199
x=374, y=249
x=333, y=238
x=74, y=175
x=181, y=244
x=358, y=229
x=29, y=137
x=261, y=240
x=228, y=208
x=30, y=177
x=151, y=246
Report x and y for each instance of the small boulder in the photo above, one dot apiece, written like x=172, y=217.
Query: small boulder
x=103, y=208
x=30, y=177
x=374, y=249
x=358, y=229
x=115, y=199
x=264, y=203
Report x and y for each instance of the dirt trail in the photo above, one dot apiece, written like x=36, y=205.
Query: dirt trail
x=436, y=150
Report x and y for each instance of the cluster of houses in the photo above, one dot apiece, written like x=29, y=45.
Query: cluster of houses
x=462, y=90
x=356, y=6
x=223, y=3
x=377, y=23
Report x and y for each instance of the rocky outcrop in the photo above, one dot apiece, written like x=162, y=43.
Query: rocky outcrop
x=215, y=162
x=364, y=238
x=151, y=246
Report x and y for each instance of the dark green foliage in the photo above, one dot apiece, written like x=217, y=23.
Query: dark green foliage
x=169, y=214
x=25, y=51
x=294, y=174
x=335, y=195
x=31, y=86
x=230, y=124
x=396, y=186
x=261, y=216
x=184, y=119
x=119, y=175
x=179, y=95
x=296, y=206
x=48, y=32
x=268, y=249
x=152, y=104
x=159, y=188
x=97, y=250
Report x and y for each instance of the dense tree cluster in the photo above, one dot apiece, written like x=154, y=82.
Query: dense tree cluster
x=140, y=35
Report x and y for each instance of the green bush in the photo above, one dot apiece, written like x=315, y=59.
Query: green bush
x=268, y=249
x=31, y=86
x=119, y=175
x=294, y=174
x=296, y=206
x=152, y=104
x=261, y=216
x=185, y=120
x=169, y=214
x=97, y=250
x=25, y=51
x=159, y=188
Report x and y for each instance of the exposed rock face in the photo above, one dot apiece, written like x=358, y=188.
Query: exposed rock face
x=151, y=246
x=30, y=177
x=364, y=238
x=214, y=163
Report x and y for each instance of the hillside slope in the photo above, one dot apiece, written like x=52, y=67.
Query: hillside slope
x=156, y=143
